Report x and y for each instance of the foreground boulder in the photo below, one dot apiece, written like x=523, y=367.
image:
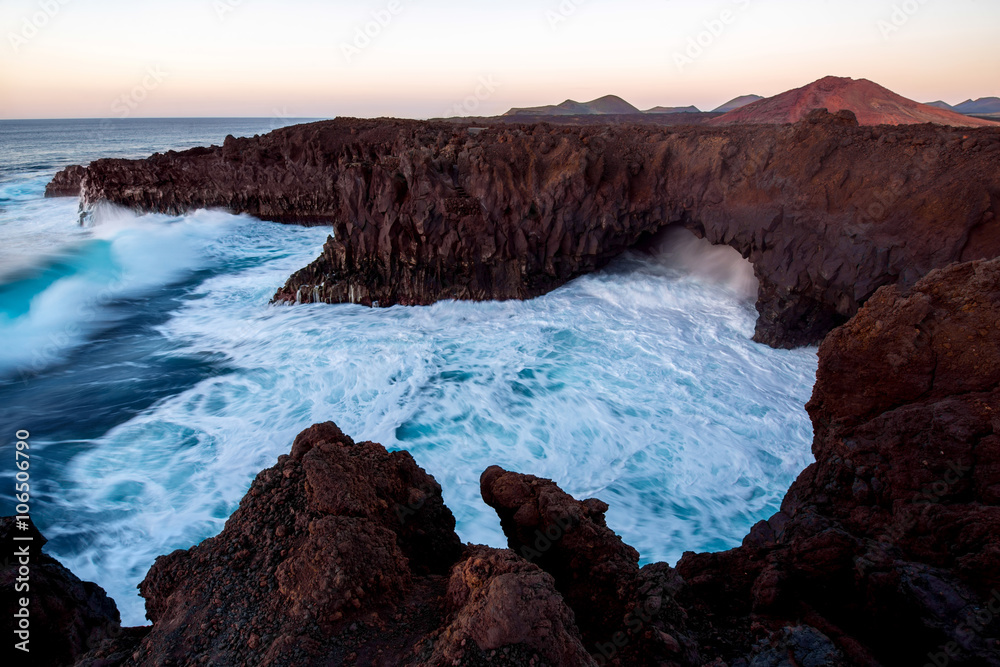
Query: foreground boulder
x=344, y=553
x=625, y=616
x=593, y=568
x=825, y=210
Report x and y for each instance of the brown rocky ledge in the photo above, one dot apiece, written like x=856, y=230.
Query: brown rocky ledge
x=826, y=211
x=885, y=552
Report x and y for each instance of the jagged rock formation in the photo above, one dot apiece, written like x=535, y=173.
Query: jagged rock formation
x=886, y=550
x=890, y=543
x=825, y=210
x=344, y=553
x=66, y=183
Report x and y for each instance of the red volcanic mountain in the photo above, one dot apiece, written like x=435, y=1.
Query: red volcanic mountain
x=870, y=102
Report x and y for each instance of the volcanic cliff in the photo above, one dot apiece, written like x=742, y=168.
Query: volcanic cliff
x=886, y=551
x=826, y=211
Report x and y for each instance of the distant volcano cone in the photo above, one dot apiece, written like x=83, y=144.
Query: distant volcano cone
x=870, y=102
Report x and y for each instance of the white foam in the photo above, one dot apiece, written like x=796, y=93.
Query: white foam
x=33, y=228
x=123, y=256
x=638, y=385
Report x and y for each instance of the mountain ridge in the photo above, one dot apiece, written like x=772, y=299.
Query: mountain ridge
x=602, y=106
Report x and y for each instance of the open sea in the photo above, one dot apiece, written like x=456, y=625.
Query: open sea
x=141, y=354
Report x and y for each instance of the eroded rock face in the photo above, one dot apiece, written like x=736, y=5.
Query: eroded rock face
x=889, y=544
x=499, y=600
x=67, y=183
x=826, y=211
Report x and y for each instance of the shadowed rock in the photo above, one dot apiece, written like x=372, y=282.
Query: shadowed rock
x=344, y=553
x=67, y=183
x=593, y=568
x=66, y=617
x=315, y=551
x=500, y=600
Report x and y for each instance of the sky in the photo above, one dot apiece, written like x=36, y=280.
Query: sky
x=431, y=58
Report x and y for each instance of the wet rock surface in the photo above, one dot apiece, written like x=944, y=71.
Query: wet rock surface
x=827, y=211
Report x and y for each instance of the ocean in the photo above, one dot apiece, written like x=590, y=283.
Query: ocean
x=156, y=381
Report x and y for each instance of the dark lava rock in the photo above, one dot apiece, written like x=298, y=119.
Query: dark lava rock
x=499, y=600
x=593, y=568
x=67, y=183
x=826, y=211
x=318, y=563
x=800, y=646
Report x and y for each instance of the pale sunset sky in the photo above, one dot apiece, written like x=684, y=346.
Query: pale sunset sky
x=430, y=58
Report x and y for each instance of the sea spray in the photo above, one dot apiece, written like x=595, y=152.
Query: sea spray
x=720, y=265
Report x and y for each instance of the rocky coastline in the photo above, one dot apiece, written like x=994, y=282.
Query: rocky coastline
x=886, y=551
x=875, y=241
x=827, y=211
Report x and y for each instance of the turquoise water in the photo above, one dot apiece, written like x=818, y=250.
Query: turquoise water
x=156, y=380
